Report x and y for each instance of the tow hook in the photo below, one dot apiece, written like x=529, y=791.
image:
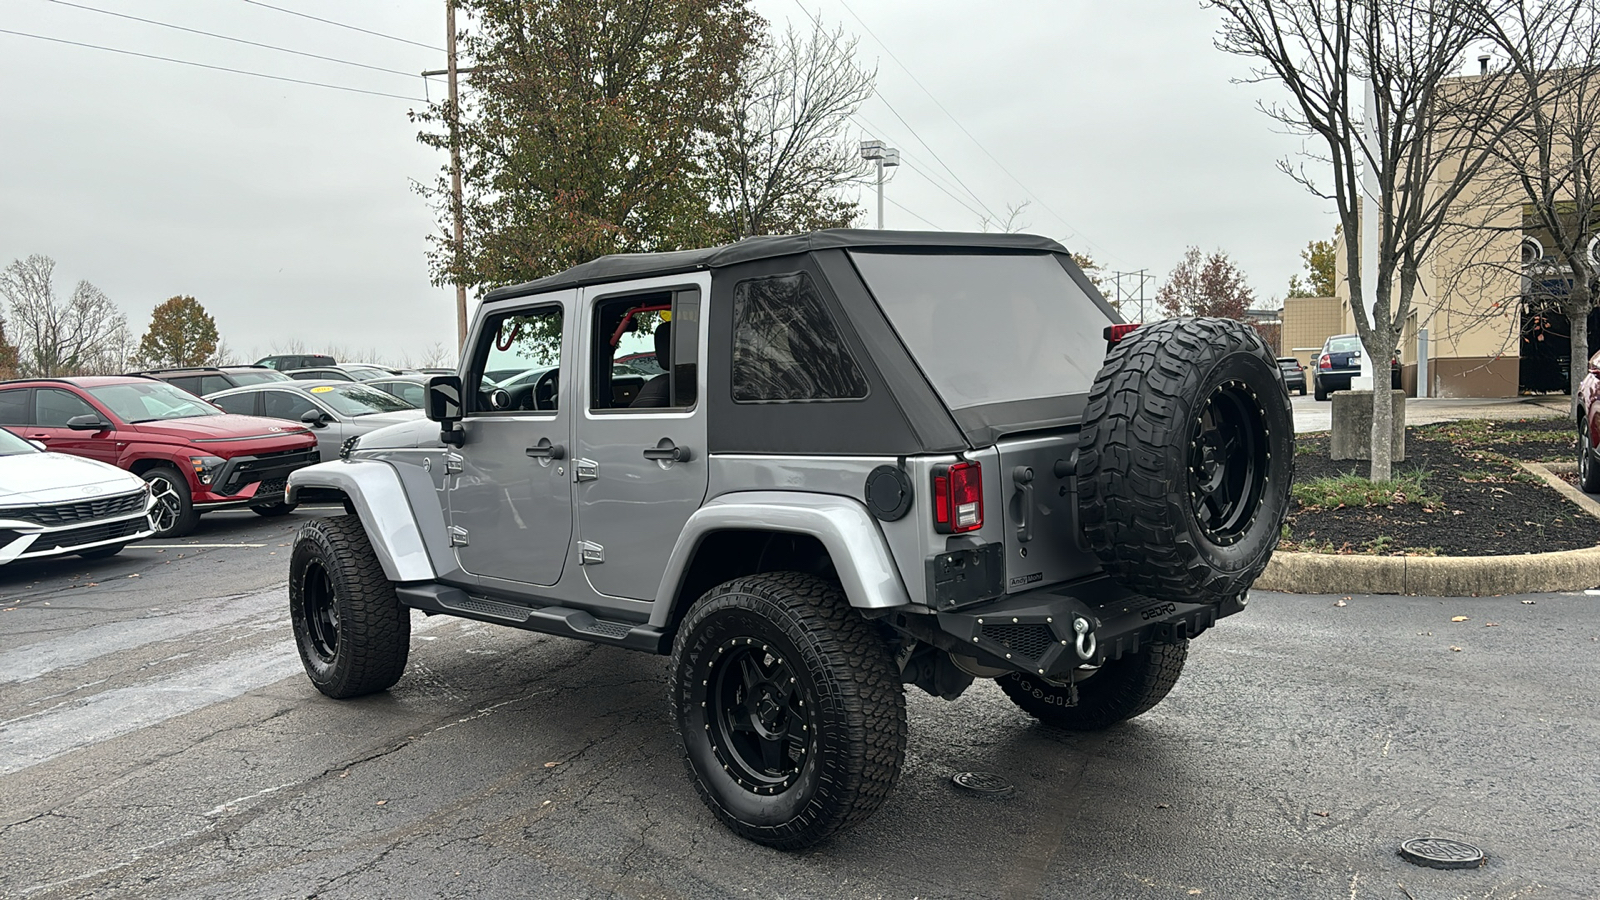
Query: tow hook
x=1086, y=639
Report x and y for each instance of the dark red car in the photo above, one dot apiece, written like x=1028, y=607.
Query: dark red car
x=195, y=456
x=1589, y=428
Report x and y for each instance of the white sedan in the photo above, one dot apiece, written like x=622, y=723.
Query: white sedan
x=52, y=504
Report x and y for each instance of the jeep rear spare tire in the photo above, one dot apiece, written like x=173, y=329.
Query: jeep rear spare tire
x=1185, y=460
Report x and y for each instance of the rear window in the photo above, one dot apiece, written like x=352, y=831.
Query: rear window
x=989, y=328
x=1343, y=345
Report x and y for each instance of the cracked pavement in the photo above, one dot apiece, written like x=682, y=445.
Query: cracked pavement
x=158, y=739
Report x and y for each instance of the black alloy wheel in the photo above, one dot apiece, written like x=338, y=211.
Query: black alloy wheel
x=319, y=614
x=761, y=729
x=1227, y=459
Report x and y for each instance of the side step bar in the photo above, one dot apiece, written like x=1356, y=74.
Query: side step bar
x=556, y=620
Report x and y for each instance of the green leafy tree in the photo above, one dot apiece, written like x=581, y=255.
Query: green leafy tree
x=181, y=333
x=587, y=129
x=1319, y=260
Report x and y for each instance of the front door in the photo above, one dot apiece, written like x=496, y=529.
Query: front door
x=640, y=462
x=510, y=484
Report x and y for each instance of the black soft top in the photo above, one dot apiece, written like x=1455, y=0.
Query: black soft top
x=620, y=266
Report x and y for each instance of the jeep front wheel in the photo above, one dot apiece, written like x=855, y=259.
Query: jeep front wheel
x=1117, y=691
x=1185, y=459
x=790, y=707
x=352, y=632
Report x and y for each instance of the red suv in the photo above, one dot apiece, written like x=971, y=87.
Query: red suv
x=195, y=456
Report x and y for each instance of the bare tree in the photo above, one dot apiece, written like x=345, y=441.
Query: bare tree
x=1012, y=223
x=786, y=153
x=1548, y=165
x=84, y=334
x=1431, y=134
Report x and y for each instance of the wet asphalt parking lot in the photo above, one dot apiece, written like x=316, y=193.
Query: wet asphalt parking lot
x=157, y=739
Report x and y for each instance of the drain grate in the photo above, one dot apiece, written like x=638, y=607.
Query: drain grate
x=1441, y=853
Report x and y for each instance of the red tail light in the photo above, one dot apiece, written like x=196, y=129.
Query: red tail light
x=957, y=498
x=1325, y=362
x=1115, y=333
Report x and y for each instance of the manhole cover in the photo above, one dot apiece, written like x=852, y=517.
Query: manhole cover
x=986, y=783
x=1441, y=853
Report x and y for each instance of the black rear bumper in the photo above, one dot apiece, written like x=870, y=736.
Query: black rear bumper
x=1054, y=630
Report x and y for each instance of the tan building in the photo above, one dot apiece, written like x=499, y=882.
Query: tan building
x=1307, y=323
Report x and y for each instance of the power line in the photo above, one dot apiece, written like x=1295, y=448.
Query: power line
x=343, y=25
x=890, y=201
x=817, y=21
x=926, y=172
x=224, y=37
x=185, y=62
x=975, y=141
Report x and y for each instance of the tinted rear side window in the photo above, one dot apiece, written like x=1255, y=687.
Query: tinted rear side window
x=990, y=328
x=14, y=407
x=786, y=347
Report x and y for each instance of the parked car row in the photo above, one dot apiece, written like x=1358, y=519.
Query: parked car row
x=89, y=465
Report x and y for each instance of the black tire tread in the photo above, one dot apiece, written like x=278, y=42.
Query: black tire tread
x=816, y=616
x=1591, y=484
x=1132, y=686
x=1132, y=513
x=374, y=629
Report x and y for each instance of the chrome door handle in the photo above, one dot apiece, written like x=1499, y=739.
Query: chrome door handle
x=585, y=469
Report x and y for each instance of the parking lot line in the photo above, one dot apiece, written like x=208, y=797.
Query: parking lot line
x=187, y=546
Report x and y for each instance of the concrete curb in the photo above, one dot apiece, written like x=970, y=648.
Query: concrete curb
x=1444, y=576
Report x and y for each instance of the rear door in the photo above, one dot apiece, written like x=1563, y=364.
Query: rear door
x=53, y=407
x=640, y=461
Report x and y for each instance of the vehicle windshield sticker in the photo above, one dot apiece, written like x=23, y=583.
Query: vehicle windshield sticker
x=321, y=389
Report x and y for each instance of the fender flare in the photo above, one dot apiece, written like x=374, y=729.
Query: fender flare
x=376, y=491
x=860, y=554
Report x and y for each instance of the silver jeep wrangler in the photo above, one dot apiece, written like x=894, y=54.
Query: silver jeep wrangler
x=815, y=469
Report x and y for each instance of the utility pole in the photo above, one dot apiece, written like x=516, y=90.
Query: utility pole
x=455, y=174
x=885, y=157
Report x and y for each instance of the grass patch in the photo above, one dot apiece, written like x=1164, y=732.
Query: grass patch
x=1337, y=491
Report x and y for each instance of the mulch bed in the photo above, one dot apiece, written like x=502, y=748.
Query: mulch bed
x=1490, y=506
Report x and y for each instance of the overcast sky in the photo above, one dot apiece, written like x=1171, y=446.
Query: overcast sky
x=288, y=209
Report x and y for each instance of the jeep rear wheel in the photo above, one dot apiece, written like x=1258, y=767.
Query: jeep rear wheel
x=1185, y=459
x=1117, y=691
x=352, y=632
x=790, y=707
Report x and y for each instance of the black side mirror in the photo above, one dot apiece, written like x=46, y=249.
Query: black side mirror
x=87, y=422
x=316, y=418
x=442, y=404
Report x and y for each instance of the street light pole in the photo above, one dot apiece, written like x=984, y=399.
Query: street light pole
x=885, y=157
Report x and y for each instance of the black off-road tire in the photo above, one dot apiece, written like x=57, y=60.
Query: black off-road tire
x=1121, y=689
x=790, y=707
x=1588, y=466
x=352, y=632
x=1185, y=460
x=175, y=515
x=273, y=510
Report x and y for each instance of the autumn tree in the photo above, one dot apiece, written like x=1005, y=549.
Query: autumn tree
x=588, y=129
x=784, y=154
x=181, y=333
x=77, y=335
x=1205, y=286
x=1319, y=260
x=1094, y=272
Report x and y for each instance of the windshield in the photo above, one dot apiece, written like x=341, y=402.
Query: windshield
x=358, y=400
x=989, y=328
x=151, y=401
x=11, y=445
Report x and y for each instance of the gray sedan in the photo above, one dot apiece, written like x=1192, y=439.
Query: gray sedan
x=337, y=410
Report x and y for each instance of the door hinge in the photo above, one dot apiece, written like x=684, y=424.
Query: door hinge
x=586, y=469
x=590, y=553
x=453, y=461
x=458, y=536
